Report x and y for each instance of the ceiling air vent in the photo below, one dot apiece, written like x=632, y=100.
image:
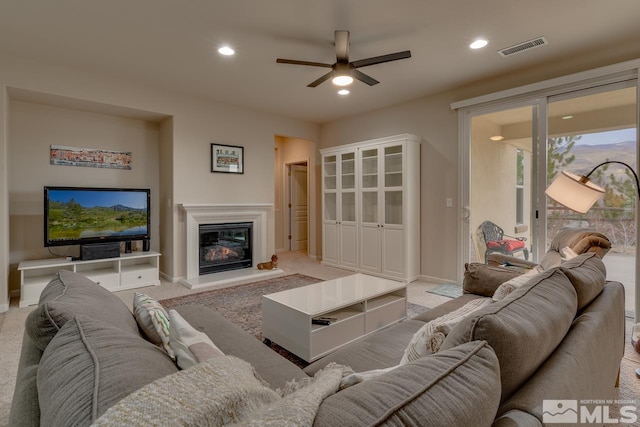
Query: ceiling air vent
x=521, y=47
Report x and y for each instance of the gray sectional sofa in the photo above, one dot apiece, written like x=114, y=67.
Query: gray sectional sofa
x=558, y=336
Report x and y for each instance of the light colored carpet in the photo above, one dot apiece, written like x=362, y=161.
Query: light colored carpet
x=12, y=325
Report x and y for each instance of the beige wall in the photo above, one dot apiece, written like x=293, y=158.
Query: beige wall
x=188, y=126
x=33, y=128
x=433, y=120
x=195, y=123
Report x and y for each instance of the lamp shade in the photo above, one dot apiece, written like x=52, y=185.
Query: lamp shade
x=575, y=192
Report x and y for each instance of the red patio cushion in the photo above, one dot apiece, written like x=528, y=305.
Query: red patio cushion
x=507, y=245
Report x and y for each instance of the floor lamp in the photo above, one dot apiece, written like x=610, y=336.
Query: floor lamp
x=579, y=194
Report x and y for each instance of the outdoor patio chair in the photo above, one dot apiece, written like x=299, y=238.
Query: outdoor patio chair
x=494, y=239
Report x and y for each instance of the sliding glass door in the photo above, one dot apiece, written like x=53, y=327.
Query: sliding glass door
x=507, y=168
x=501, y=185
x=585, y=129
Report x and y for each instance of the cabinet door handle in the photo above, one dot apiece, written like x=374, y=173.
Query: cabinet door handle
x=139, y=277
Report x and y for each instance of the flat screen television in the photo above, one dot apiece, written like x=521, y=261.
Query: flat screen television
x=82, y=215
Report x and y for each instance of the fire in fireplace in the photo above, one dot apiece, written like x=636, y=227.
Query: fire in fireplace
x=225, y=247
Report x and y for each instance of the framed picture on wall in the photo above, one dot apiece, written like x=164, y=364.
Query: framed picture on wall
x=227, y=158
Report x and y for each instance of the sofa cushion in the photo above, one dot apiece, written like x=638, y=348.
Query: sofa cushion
x=457, y=387
x=483, y=279
x=524, y=328
x=69, y=294
x=375, y=351
x=89, y=366
x=233, y=341
x=587, y=274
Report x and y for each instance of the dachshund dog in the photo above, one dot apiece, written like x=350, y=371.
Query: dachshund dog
x=271, y=265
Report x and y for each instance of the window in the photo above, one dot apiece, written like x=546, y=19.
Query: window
x=519, y=186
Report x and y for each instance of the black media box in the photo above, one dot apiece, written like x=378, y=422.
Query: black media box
x=99, y=250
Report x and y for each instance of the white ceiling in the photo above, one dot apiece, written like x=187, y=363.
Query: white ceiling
x=172, y=44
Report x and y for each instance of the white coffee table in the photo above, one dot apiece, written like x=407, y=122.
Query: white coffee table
x=361, y=304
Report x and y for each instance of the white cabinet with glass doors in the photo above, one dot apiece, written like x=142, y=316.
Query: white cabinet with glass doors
x=371, y=206
x=339, y=209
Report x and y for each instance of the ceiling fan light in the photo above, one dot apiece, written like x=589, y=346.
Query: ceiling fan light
x=343, y=92
x=226, y=51
x=342, y=80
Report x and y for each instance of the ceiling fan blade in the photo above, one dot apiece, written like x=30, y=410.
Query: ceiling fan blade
x=296, y=62
x=322, y=79
x=381, y=59
x=342, y=46
x=364, y=78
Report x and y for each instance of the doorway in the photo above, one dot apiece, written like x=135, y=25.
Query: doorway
x=297, y=207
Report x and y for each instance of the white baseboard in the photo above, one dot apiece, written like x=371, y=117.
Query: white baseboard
x=4, y=307
x=439, y=280
x=170, y=279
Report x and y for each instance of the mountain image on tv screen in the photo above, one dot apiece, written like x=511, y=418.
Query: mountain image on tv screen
x=77, y=214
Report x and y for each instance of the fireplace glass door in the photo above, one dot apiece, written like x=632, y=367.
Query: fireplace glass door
x=225, y=247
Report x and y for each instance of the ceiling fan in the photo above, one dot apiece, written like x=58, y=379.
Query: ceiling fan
x=342, y=71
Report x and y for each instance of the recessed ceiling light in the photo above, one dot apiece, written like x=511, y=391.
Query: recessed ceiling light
x=479, y=43
x=226, y=51
x=343, y=92
x=497, y=138
x=567, y=117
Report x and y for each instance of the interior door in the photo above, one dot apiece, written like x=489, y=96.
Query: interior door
x=299, y=207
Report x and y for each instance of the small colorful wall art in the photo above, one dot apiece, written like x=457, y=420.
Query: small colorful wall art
x=90, y=157
x=227, y=158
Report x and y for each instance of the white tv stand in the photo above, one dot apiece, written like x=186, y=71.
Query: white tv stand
x=132, y=270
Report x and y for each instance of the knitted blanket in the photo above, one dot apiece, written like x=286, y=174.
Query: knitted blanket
x=223, y=391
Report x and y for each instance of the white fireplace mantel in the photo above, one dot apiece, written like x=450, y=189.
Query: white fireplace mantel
x=197, y=214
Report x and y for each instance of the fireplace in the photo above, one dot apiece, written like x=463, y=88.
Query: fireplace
x=196, y=215
x=225, y=247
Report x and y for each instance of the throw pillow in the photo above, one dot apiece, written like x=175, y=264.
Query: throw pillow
x=512, y=284
x=483, y=279
x=89, y=366
x=430, y=337
x=69, y=294
x=190, y=345
x=457, y=387
x=523, y=329
x=153, y=321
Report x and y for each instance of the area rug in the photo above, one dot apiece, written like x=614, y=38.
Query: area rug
x=242, y=304
x=446, y=290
